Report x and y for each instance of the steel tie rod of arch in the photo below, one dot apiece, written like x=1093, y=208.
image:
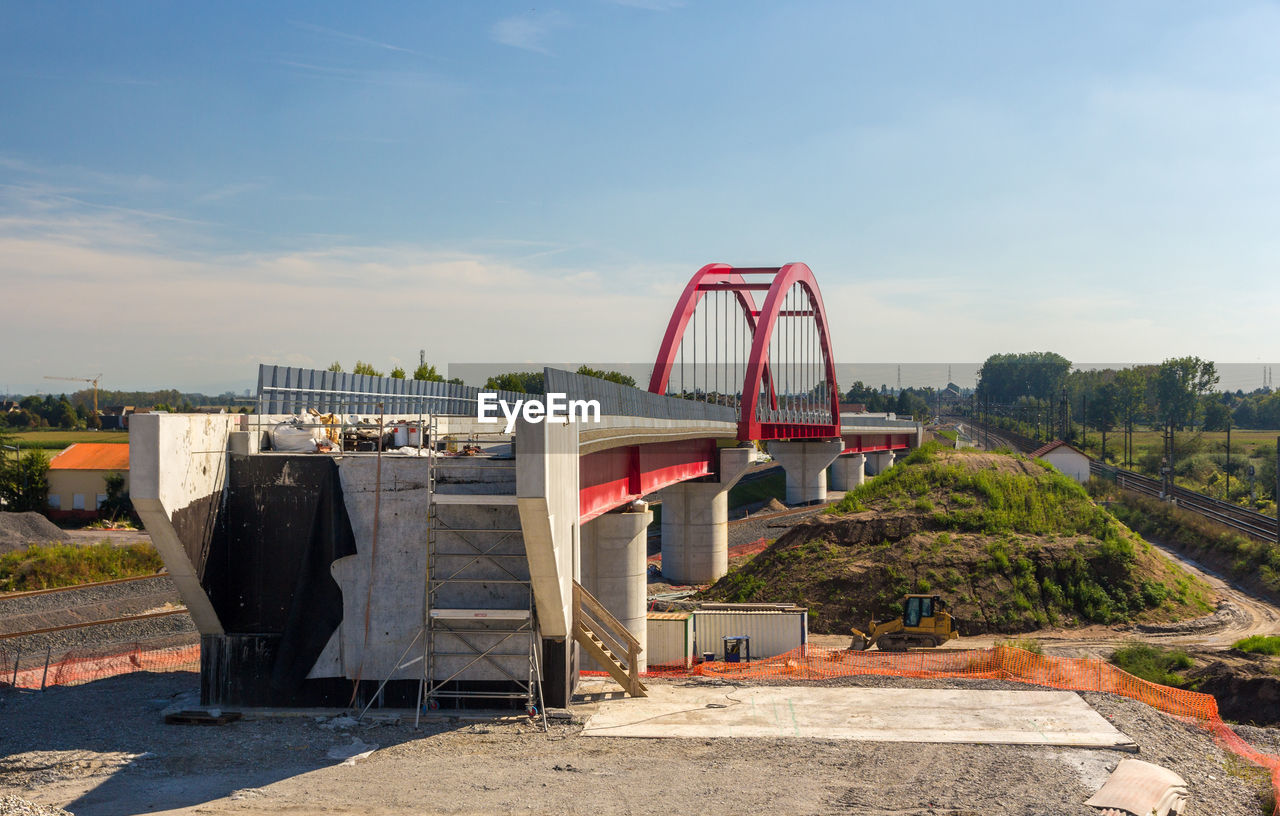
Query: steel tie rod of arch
x=776, y=358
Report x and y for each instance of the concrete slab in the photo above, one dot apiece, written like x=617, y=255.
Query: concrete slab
x=1029, y=717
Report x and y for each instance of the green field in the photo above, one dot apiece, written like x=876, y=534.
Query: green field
x=58, y=440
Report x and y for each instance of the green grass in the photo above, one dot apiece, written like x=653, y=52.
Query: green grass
x=1244, y=559
x=1153, y=663
x=58, y=440
x=773, y=486
x=46, y=567
x=951, y=435
x=1259, y=644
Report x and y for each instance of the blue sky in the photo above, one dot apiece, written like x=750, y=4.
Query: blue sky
x=188, y=189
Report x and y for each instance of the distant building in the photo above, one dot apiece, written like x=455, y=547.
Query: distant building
x=78, y=478
x=1069, y=460
x=853, y=408
x=115, y=417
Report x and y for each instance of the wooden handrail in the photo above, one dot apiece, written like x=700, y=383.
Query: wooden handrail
x=618, y=641
x=583, y=600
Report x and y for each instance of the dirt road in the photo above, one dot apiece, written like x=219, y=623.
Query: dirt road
x=1239, y=615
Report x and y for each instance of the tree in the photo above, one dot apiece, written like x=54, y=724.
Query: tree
x=335, y=366
x=24, y=484
x=117, y=504
x=428, y=373
x=361, y=367
x=612, y=376
x=521, y=382
x=1005, y=377
x=1179, y=383
x=397, y=373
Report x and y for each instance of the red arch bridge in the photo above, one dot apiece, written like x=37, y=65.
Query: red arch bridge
x=306, y=572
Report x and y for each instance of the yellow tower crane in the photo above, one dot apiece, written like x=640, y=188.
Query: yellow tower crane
x=92, y=381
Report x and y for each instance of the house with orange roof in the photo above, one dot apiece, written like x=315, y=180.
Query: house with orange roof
x=78, y=478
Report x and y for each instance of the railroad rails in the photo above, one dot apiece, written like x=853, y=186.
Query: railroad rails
x=103, y=603
x=1229, y=515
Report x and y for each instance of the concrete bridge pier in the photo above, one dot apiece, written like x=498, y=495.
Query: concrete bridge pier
x=614, y=569
x=806, y=466
x=879, y=462
x=848, y=471
x=695, y=523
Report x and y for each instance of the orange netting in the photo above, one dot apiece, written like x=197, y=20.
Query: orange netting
x=996, y=663
x=76, y=667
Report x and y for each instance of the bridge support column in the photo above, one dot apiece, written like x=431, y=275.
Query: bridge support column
x=614, y=550
x=880, y=462
x=695, y=523
x=848, y=471
x=806, y=466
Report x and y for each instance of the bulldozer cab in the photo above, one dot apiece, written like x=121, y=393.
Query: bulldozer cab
x=920, y=611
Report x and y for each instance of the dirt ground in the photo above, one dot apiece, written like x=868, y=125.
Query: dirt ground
x=114, y=755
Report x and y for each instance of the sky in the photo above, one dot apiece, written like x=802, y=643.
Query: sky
x=189, y=189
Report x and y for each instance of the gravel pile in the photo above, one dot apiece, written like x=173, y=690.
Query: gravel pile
x=17, y=530
x=11, y=805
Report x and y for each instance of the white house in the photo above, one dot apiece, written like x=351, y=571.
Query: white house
x=1069, y=460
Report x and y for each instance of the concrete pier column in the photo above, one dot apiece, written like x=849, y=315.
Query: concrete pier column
x=695, y=522
x=848, y=471
x=614, y=569
x=881, y=461
x=806, y=466
x=695, y=532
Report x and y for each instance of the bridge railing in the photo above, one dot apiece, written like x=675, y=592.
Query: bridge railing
x=290, y=390
x=625, y=400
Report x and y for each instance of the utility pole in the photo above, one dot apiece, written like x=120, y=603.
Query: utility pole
x=1228, y=493
x=1084, y=421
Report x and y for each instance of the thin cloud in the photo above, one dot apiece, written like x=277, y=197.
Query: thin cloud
x=650, y=5
x=419, y=80
x=355, y=38
x=230, y=191
x=528, y=31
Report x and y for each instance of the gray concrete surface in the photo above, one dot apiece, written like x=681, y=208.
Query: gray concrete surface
x=1059, y=718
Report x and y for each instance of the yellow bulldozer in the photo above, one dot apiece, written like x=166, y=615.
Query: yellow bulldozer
x=924, y=622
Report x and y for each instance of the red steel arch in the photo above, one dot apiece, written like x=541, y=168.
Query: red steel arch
x=759, y=379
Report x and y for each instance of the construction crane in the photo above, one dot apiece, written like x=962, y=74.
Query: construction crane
x=93, y=382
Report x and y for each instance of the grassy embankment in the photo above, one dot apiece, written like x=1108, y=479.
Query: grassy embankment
x=1247, y=562
x=57, y=565
x=1012, y=545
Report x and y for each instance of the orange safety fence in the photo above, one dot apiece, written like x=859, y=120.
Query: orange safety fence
x=996, y=663
x=85, y=666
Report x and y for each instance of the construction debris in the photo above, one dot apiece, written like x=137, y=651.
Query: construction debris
x=1141, y=789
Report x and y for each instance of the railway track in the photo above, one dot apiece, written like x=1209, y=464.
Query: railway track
x=84, y=624
x=1245, y=521
x=9, y=596
x=48, y=612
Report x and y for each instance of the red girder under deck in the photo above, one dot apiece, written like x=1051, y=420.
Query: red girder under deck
x=615, y=477
x=870, y=443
